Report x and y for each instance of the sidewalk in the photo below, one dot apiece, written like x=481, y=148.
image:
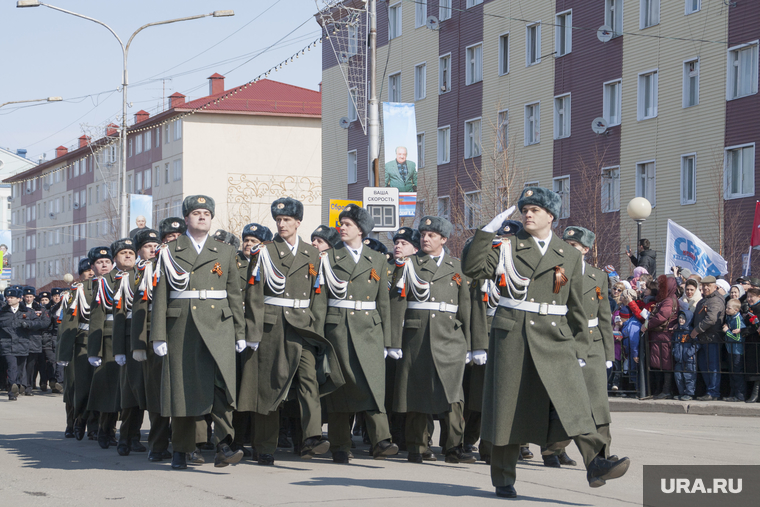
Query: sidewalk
x=723, y=408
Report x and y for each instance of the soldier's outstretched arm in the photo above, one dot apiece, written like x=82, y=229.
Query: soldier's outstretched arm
x=481, y=259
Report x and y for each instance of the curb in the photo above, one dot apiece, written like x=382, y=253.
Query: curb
x=739, y=409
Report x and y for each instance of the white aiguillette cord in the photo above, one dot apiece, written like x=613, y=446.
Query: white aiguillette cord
x=420, y=288
x=265, y=267
x=506, y=272
x=491, y=293
x=178, y=278
x=124, y=294
x=79, y=304
x=337, y=286
x=146, y=283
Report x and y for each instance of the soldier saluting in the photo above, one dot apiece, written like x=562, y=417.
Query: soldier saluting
x=534, y=389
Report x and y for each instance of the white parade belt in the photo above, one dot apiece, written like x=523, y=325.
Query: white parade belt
x=528, y=306
x=84, y=327
x=198, y=294
x=491, y=312
x=129, y=314
x=441, y=307
x=351, y=305
x=593, y=322
x=109, y=316
x=289, y=303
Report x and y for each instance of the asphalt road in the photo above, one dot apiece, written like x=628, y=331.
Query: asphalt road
x=40, y=468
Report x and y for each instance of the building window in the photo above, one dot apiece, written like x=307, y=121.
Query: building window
x=156, y=176
x=166, y=173
x=533, y=44
x=138, y=182
x=129, y=187
x=740, y=171
x=83, y=200
x=420, y=81
x=742, y=71
x=649, y=13
x=502, y=131
x=147, y=179
x=444, y=144
x=563, y=37
x=444, y=9
x=504, y=54
x=472, y=210
x=613, y=16
x=692, y=6
x=421, y=150
x=444, y=207
x=689, y=178
x=148, y=139
x=158, y=136
x=474, y=71
x=394, y=88
x=177, y=170
x=138, y=143
x=562, y=116
x=394, y=21
x=473, y=3
x=647, y=103
x=444, y=73
x=532, y=124
x=612, y=103
x=472, y=138
x=166, y=133
x=130, y=152
x=420, y=13
x=610, y=189
x=691, y=83
x=353, y=115
x=352, y=169
x=562, y=187
x=645, y=181
x=177, y=129
x=76, y=168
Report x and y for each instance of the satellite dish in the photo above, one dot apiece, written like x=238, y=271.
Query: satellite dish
x=599, y=125
x=604, y=34
x=433, y=23
x=345, y=122
x=343, y=57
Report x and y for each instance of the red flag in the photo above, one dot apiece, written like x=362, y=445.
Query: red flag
x=755, y=241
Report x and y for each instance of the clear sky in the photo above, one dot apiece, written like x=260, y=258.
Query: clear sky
x=48, y=53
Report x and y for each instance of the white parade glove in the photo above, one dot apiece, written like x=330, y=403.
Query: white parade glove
x=496, y=222
x=240, y=346
x=479, y=357
x=139, y=355
x=160, y=348
x=395, y=353
x=608, y=364
x=121, y=359
x=253, y=345
x=94, y=361
x=468, y=358
x=581, y=362
x=385, y=353
x=63, y=363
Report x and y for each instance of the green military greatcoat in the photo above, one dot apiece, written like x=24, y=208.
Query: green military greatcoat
x=131, y=374
x=434, y=343
x=481, y=317
x=140, y=340
x=359, y=336
x=532, y=358
x=200, y=333
x=105, y=394
x=72, y=348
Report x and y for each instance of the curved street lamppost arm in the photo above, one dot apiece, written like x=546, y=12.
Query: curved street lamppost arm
x=48, y=99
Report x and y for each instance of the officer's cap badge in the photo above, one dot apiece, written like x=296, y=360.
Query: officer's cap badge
x=103, y=252
x=202, y=200
x=528, y=193
x=428, y=222
x=280, y=206
x=175, y=224
x=571, y=233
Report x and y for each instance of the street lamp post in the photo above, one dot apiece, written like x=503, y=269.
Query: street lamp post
x=123, y=207
x=49, y=99
x=639, y=210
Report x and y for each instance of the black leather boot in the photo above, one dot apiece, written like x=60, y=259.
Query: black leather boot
x=755, y=393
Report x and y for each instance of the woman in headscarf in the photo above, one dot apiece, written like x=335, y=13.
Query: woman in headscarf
x=663, y=321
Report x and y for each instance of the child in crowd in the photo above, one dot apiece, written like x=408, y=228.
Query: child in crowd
x=685, y=357
x=734, y=338
x=631, y=332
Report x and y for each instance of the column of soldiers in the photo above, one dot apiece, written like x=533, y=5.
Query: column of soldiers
x=507, y=346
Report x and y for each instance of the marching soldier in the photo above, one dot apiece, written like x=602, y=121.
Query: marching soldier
x=357, y=325
x=197, y=323
x=432, y=341
x=534, y=389
x=285, y=311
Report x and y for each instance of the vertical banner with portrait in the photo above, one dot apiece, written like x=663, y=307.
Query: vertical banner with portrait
x=5, y=254
x=140, y=213
x=400, y=141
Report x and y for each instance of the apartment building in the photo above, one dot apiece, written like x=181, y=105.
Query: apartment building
x=506, y=93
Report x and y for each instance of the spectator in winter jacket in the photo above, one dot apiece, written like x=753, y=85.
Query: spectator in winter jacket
x=685, y=356
x=646, y=259
x=660, y=325
x=631, y=332
x=691, y=294
x=708, y=324
x=734, y=338
x=15, y=323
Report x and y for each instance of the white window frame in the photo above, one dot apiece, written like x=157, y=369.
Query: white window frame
x=537, y=49
x=606, y=102
x=649, y=13
x=177, y=170
x=444, y=10
x=613, y=16
x=564, y=194
x=138, y=144
x=644, y=192
x=684, y=197
x=353, y=114
x=394, y=92
x=473, y=209
x=472, y=3
x=148, y=139
x=444, y=74
x=502, y=131
x=731, y=81
x=473, y=147
x=686, y=85
x=443, y=145
x=537, y=121
x=177, y=129
x=565, y=120
x=420, y=81
x=727, y=174
x=444, y=200
x=474, y=63
x=420, y=150
x=568, y=28
x=420, y=13
x=641, y=94
x=352, y=166
x=504, y=54
x=613, y=204
x=689, y=7
x=395, y=29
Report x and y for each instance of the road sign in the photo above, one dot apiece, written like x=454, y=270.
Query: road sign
x=382, y=205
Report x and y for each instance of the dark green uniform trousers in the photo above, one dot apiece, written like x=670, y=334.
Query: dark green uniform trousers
x=339, y=429
x=131, y=422
x=559, y=447
x=184, y=428
x=158, y=437
x=417, y=432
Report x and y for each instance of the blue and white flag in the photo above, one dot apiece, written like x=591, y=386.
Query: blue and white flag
x=686, y=250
